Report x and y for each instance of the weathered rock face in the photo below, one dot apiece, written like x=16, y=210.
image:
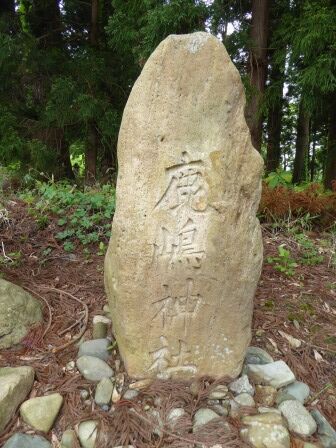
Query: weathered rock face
x=18, y=311
x=186, y=252
x=15, y=385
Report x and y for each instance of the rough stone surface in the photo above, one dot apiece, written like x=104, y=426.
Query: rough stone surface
x=295, y=391
x=130, y=394
x=15, y=385
x=95, y=347
x=104, y=391
x=186, y=243
x=218, y=393
x=326, y=433
x=276, y=374
x=298, y=418
x=41, y=412
x=202, y=417
x=245, y=399
x=241, y=385
x=18, y=311
x=93, y=369
x=256, y=355
x=87, y=433
x=265, y=395
x=265, y=431
x=20, y=440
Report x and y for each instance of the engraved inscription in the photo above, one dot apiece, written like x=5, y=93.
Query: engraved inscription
x=184, y=247
x=172, y=308
x=165, y=364
x=186, y=186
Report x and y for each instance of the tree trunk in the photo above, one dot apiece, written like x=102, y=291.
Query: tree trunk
x=330, y=168
x=64, y=162
x=257, y=69
x=92, y=137
x=91, y=154
x=302, y=145
x=313, y=158
x=274, y=121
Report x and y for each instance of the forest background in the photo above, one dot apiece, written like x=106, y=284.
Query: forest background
x=67, y=68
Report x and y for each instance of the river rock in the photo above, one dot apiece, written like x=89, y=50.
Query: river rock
x=256, y=355
x=276, y=374
x=174, y=415
x=15, y=385
x=20, y=440
x=185, y=238
x=95, y=347
x=104, y=391
x=41, y=412
x=69, y=439
x=87, y=433
x=202, y=417
x=326, y=433
x=298, y=418
x=93, y=369
x=18, y=312
x=295, y=391
x=241, y=385
x=265, y=431
x=219, y=392
x=265, y=395
x=245, y=400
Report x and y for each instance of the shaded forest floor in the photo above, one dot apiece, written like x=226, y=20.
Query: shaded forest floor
x=70, y=285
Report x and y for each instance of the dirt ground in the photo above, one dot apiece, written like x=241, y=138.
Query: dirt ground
x=70, y=287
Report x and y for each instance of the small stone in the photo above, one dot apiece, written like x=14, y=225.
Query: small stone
x=87, y=433
x=41, y=412
x=20, y=440
x=311, y=445
x=202, y=417
x=93, y=369
x=234, y=409
x=241, y=385
x=18, y=312
x=174, y=415
x=245, y=399
x=106, y=310
x=195, y=388
x=265, y=395
x=298, y=418
x=326, y=433
x=265, y=431
x=141, y=384
x=95, y=347
x=100, y=327
x=104, y=391
x=218, y=393
x=69, y=439
x=157, y=422
x=15, y=385
x=295, y=391
x=265, y=410
x=84, y=394
x=256, y=355
x=222, y=409
x=276, y=374
x=70, y=366
x=130, y=394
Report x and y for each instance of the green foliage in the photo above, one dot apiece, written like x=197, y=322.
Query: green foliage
x=284, y=262
x=278, y=178
x=84, y=216
x=310, y=253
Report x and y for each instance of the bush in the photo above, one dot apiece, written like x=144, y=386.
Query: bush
x=282, y=203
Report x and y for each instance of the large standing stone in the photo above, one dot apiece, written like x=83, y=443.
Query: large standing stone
x=186, y=250
x=15, y=385
x=18, y=311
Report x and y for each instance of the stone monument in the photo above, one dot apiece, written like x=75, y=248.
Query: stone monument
x=186, y=251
